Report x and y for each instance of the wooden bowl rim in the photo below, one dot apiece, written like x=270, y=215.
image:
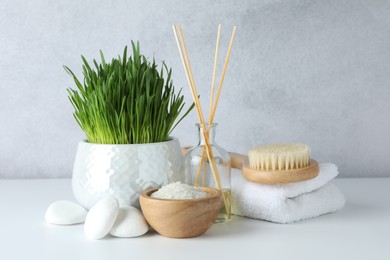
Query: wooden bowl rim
x=146, y=195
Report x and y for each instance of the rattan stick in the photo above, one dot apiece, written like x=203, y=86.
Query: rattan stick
x=200, y=166
x=211, y=115
x=223, y=74
x=188, y=64
x=204, y=173
x=185, y=65
x=194, y=87
x=211, y=96
x=194, y=97
x=209, y=153
x=214, y=73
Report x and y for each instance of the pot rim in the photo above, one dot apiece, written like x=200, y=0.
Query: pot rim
x=171, y=139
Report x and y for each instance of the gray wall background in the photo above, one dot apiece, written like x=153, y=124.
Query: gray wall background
x=309, y=71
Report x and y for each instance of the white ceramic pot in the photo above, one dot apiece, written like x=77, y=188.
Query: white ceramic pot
x=124, y=170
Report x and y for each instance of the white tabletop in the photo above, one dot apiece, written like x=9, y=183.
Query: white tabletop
x=360, y=231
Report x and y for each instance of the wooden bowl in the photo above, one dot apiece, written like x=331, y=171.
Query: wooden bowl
x=181, y=218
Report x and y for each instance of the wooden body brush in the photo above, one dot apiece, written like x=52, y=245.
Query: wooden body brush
x=278, y=163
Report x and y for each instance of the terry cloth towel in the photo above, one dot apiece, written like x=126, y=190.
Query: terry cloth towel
x=286, y=203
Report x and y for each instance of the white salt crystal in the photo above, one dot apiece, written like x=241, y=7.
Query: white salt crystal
x=180, y=191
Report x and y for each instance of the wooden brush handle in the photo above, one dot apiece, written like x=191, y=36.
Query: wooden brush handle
x=238, y=160
x=185, y=149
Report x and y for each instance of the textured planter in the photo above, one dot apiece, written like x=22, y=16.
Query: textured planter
x=124, y=170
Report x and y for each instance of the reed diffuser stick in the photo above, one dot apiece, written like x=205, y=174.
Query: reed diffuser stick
x=202, y=158
x=213, y=108
x=187, y=68
x=191, y=78
x=211, y=100
x=202, y=121
x=199, y=112
x=214, y=72
x=223, y=75
x=185, y=65
x=193, y=96
x=213, y=105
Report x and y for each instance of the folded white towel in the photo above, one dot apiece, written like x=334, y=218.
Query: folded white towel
x=285, y=203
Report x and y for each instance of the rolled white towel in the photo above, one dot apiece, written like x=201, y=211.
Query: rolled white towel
x=285, y=203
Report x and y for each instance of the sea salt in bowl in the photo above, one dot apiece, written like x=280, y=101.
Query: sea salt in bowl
x=181, y=218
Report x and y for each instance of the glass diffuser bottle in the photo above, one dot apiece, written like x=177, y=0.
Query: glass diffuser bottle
x=199, y=168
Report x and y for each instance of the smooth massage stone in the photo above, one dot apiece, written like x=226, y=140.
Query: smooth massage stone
x=129, y=223
x=65, y=212
x=101, y=218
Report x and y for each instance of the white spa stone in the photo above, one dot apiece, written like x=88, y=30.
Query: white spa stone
x=129, y=223
x=65, y=212
x=101, y=217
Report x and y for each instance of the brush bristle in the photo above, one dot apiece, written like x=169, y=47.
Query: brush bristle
x=279, y=157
